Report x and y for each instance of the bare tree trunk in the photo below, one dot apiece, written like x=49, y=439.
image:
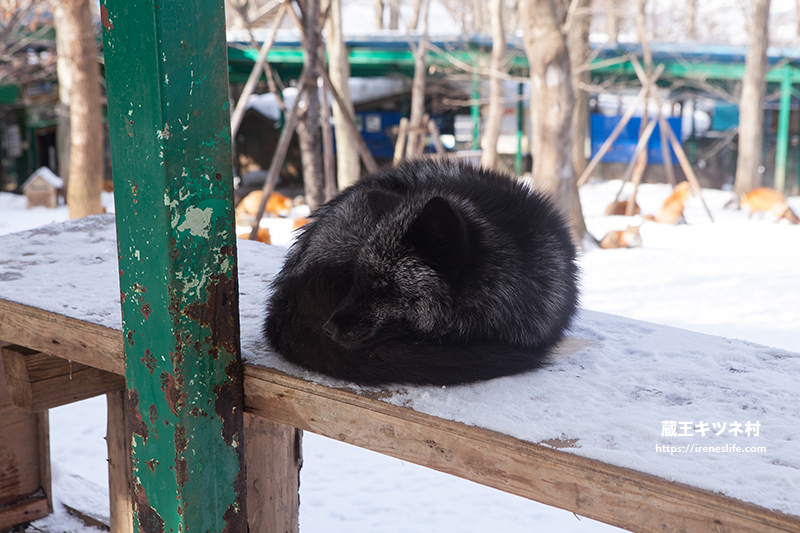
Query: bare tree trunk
x=612, y=20
x=751, y=110
x=496, y=100
x=348, y=167
x=394, y=14
x=578, y=36
x=378, y=14
x=477, y=16
x=647, y=56
x=552, y=103
x=415, y=9
x=513, y=18
x=308, y=130
x=691, y=19
x=86, y=129
x=797, y=17
x=418, y=85
x=64, y=70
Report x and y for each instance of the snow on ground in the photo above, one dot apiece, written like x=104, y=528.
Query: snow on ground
x=736, y=278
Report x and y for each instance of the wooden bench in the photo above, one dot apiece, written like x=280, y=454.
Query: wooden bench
x=581, y=434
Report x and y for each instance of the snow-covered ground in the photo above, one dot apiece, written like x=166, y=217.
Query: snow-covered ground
x=736, y=278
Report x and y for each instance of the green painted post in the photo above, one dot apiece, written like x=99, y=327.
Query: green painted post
x=693, y=137
x=475, y=111
x=169, y=121
x=782, y=147
x=520, y=129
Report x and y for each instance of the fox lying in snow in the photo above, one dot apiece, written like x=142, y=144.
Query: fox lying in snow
x=619, y=207
x=277, y=205
x=627, y=238
x=428, y=272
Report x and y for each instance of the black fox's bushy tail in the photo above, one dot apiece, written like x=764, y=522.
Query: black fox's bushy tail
x=400, y=361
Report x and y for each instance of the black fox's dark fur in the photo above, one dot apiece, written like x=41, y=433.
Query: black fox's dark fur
x=428, y=272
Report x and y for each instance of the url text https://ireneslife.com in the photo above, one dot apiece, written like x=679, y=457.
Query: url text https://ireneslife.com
x=672, y=428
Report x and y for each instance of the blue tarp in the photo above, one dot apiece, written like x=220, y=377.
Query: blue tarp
x=622, y=149
x=725, y=117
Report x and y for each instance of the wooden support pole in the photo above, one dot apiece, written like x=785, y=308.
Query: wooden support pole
x=120, y=477
x=319, y=69
x=618, y=129
x=437, y=141
x=255, y=74
x=25, y=493
x=328, y=156
x=665, y=153
x=676, y=145
x=363, y=150
x=274, y=457
x=420, y=131
x=169, y=122
x=400, y=145
x=278, y=157
x=635, y=164
x=687, y=168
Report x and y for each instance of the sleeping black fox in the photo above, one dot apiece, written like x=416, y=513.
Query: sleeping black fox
x=428, y=272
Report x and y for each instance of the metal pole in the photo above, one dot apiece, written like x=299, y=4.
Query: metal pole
x=169, y=121
x=475, y=111
x=520, y=129
x=782, y=147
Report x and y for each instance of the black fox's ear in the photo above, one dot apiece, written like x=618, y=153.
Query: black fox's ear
x=381, y=202
x=439, y=234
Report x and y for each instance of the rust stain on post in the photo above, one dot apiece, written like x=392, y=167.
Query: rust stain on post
x=137, y=425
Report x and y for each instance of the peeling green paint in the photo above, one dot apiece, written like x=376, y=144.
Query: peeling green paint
x=179, y=289
x=197, y=221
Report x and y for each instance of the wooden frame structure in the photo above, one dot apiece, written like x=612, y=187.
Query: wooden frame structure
x=544, y=473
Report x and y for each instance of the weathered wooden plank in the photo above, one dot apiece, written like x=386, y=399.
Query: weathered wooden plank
x=38, y=381
x=120, y=478
x=591, y=488
x=68, y=338
x=22, y=512
x=45, y=475
x=614, y=495
x=273, y=456
x=24, y=462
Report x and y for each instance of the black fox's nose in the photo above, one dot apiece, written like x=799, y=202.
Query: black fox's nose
x=329, y=328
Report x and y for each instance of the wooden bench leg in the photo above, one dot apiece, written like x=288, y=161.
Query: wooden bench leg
x=119, y=464
x=273, y=455
x=24, y=462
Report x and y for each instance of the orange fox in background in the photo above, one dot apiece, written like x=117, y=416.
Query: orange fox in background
x=618, y=207
x=627, y=238
x=277, y=204
x=299, y=222
x=672, y=209
x=764, y=199
x=261, y=236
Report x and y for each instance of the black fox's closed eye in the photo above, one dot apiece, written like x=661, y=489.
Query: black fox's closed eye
x=427, y=272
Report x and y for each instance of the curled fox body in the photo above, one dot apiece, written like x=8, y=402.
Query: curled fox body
x=428, y=272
